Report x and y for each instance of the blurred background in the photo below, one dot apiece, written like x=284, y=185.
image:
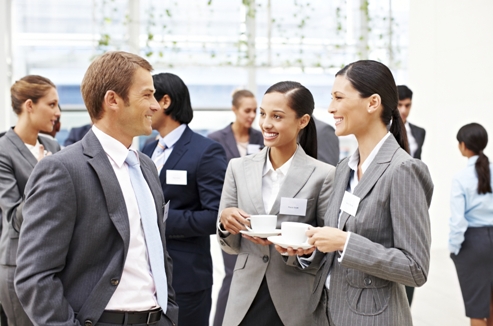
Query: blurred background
x=441, y=49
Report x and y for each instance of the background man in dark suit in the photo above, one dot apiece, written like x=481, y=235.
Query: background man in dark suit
x=327, y=143
x=415, y=135
x=191, y=170
x=76, y=134
x=87, y=242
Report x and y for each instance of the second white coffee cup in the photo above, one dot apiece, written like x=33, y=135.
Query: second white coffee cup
x=294, y=232
x=262, y=223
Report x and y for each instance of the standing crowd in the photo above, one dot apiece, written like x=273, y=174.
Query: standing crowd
x=101, y=234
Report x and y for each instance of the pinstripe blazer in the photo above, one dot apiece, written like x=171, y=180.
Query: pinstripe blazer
x=389, y=246
x=289, y=287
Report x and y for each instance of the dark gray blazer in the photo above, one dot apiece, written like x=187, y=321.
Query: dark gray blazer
x=418, y=134
x=16, y=165
x=327, y=143
x=75, y=237
x=226, y=138
x=389, y=246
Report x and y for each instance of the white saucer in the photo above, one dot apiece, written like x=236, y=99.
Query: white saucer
x=261, y=234
x=280, y=241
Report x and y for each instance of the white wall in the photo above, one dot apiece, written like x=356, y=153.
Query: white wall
x=6, y=116
x=451, y=75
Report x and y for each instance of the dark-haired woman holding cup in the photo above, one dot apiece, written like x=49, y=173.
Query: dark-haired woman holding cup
x=471, y=225
x=377, y=235
x=265, y=289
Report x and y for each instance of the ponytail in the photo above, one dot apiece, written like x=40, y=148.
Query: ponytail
x=475, y=138
x=398, y=129
x=308, y=139
x=483, y=171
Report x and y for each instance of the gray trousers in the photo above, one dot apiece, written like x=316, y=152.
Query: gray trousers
x=10, y=303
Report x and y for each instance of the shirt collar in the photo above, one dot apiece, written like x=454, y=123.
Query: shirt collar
x=354, y=159
x=112, y=147
x=283, y=169
x=171, y=138
x=472, y=160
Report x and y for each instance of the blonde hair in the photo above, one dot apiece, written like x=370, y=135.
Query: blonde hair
x=31, y=87
x=239, y=94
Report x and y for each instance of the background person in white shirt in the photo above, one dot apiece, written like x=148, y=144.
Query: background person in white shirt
x=87, y=243
x=265, y=289
x=415, y=135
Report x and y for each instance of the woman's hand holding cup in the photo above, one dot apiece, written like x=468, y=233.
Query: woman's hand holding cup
x=327, y=239
x=234, y=220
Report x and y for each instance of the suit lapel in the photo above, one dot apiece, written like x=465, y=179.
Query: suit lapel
x=149, y=148
x=343, y=173
x=376, y=169
x=21, y=147
x=230, y=142
x=109, y=183
x=154, y=187
x=179, y=149
x=298, y=174
x=253, y=168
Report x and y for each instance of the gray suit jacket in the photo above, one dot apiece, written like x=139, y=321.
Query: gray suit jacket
x=226, y=138
x=389, y=246
x=75, y=237
x=289, y=287
x=327, y=143
x=16, y=165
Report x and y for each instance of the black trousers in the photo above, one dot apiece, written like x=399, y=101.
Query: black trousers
x=194, y=308
x=262, y=311
x=410, y=294
x=222, y=298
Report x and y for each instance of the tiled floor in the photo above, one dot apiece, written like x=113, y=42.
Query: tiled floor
x=437, y=303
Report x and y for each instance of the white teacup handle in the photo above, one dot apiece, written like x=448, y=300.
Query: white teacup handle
x=248, y=228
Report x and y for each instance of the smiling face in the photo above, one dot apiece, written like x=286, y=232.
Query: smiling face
x=278, y=122
x=246, y=111
x=45, y=112
x=135, y=116
x=351, y=111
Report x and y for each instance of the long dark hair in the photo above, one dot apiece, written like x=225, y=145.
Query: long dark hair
x=475, y=138
x=370, y=77
x=300, y=100
x=180, y=108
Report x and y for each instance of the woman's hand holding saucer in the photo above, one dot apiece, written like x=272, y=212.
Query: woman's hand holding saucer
x=257, y=240
x=295, y=252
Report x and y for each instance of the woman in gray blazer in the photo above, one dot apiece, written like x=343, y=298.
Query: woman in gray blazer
x=265, y=289
x=238, y=139
x=377, y=234
x=35, y=101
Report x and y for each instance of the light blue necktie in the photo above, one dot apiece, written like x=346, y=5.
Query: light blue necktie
x=148, y=217
x=157, y=156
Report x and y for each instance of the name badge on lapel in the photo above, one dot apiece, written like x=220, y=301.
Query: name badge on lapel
x=166, y=210
x=253, y=148
x=350, y=203
x=293, y=206
x=176, y=177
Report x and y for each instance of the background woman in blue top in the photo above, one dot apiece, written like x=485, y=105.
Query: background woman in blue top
x=471, y=226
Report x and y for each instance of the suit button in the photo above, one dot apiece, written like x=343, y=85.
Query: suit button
x=367, y=281
x=222, y=242
x=115, y=281
x=87, y=323
x=265, y=258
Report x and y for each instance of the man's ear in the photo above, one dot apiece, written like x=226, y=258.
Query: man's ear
x=111, y=101
x=165, y=102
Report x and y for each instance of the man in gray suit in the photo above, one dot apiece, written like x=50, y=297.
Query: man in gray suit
x=87, y=243
x=327, y=143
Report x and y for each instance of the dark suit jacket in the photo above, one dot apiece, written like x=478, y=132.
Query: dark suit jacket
x=76, y=134
x=74, y=240
x=226, y=138
x=418, y=134
x=327, y=143
x=193, y=208
x=16, y=165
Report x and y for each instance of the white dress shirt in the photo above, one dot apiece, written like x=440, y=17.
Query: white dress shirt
x=413, y=145
x=272, y=180
x=34, y=149
x=170, y=141
x=353, y=182
x=136, y=290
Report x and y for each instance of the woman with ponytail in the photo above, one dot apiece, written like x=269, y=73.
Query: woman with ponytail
x=471, y=226
x=377, y=235
x=265, y=289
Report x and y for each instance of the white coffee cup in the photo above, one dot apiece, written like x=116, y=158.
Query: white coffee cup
x=294, y=232
x=262, y=223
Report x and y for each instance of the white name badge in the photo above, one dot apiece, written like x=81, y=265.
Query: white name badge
x=166, y=210
x=350, y=203
x=176, y=177
x=293, y=206
x=253, y=148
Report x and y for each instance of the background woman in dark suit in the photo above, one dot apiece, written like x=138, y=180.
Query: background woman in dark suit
x=236, y=138
x=377, y=235
x=471, y=226
x=35, y=101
